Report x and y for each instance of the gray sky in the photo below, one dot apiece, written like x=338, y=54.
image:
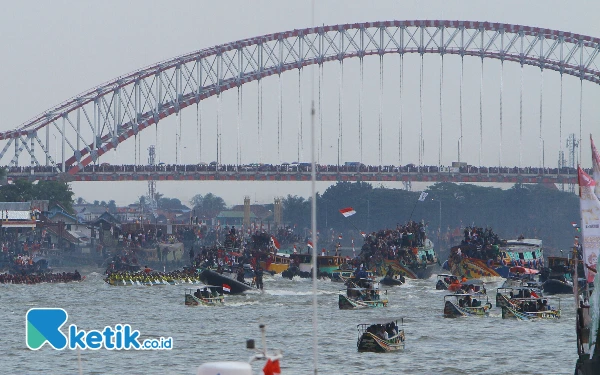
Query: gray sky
x=55, y=50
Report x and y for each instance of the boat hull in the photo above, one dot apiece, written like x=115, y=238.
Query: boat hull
x=508, y=312
x=346, y=303
x=472, y=269
x=209, y=277
x=191, y=300
x=452, y=310
x=369, y=342
x=553, y=286
x=390, y=281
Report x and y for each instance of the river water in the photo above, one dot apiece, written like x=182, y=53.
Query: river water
x=434, y=344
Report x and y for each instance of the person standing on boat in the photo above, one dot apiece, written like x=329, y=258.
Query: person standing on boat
x=258, y=274
x=240, y=273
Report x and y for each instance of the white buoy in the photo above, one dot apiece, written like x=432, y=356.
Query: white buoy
x=225, y=368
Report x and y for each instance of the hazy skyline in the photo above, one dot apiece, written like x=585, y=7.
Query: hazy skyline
x=56, y=50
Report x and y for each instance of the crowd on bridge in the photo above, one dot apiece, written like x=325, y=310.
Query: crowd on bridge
x=286, y=168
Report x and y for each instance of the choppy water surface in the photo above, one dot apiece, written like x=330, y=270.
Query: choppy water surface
x=434, y=344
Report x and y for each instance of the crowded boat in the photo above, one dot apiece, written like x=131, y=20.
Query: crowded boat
x=380, y=337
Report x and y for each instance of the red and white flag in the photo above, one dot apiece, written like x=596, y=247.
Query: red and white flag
x=340, y=237
x=226, y=288
x=309, y=244
x=347, y=212
x=275, y=243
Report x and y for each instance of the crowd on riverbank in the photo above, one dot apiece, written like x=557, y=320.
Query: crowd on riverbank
x=64, y=277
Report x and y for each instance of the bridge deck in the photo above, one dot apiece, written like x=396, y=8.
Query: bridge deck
x=465, y=177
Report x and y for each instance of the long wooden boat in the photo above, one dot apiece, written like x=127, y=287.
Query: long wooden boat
x=363, y=293
x=527, y=309
x=349, y=303
x=509, y=296
x=370, y=339
x=208, y=295
x=454, y=307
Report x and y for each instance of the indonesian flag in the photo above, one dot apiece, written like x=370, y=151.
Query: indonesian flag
x=363, y=234
x=272, y=367
x=596, y=165
x=274, y=242
x=340, y=237
x=309, y=244
x=347, y=212
x=226, y=288
x=590, y=222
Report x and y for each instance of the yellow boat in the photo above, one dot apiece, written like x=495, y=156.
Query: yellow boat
x=277, y=264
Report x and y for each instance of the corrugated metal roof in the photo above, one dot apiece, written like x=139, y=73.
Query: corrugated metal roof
x=16, y=215
x=15, y=206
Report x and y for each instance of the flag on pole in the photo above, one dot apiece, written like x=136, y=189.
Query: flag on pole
x=309, y=244
x=347, y=212
x=363, y=234
x=226, y=288
x=423, y=196
x=340, y=237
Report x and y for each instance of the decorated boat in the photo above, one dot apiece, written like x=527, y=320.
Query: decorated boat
x=380, y=338
x=406, y=249
x=210, y=277
x=207, y=295
x=362, y=293
x=482, y=254
x=459, y=305
x=529, y=309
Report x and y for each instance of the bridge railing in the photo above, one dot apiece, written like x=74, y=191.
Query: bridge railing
x=293, y=169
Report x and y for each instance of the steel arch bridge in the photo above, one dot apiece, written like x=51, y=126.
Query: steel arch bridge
x=96, y=121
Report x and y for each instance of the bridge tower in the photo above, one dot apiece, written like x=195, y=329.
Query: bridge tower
x=277, y=212
x=562, y=162
x=572, y=146
x=151, y=183
x=246, y=212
